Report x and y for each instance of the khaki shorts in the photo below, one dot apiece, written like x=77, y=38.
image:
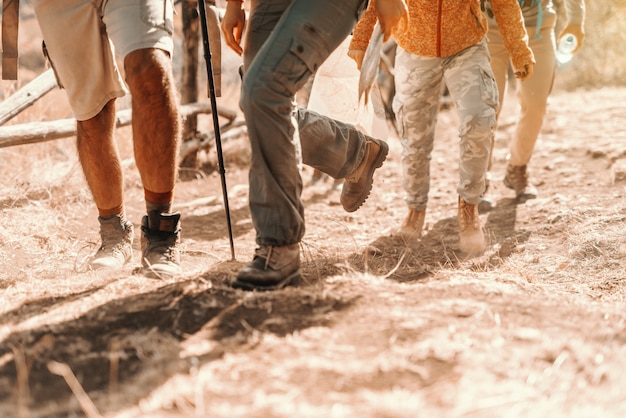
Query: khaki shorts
x=82, y=38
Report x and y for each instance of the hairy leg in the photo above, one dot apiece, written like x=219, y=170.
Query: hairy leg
x=156, y=121
x=99, y=157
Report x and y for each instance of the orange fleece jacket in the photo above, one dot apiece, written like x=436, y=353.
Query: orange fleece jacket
x=441, y=28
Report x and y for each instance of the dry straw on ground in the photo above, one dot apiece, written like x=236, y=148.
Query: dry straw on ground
x=381, y=327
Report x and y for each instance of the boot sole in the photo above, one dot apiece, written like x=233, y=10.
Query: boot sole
x=158, y=271
x=292, y=280
x=380, y=158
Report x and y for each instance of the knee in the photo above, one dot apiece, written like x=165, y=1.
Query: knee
x=479, y=128
x=537, y=108
x=148, y=69
x=259, y=92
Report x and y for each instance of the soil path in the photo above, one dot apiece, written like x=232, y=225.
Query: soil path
x=381, y=327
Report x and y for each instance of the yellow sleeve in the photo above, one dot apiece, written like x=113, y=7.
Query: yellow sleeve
x=510, y=22
x=364, y=28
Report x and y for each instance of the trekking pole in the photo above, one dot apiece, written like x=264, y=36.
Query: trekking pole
x=216, y=122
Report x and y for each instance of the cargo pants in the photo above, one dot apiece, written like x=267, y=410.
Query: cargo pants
x=286, y=42
x=419, y=82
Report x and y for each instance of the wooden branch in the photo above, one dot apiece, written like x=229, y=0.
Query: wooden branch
x=231, y=130
x=27, y=95
x=34, y=132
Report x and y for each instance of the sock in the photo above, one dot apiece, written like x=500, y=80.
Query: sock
x=161, y=202
x=109, y=213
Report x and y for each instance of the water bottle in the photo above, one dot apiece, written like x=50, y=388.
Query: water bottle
x=567, y=44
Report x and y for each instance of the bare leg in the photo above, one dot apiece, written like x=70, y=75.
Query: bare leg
x=156, y=137
x=156, y=122
x=99, y=157
x=100, y=160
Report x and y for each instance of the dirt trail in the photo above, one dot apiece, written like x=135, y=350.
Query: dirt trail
x=381, y=328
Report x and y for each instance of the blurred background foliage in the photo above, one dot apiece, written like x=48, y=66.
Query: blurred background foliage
x=602, y=59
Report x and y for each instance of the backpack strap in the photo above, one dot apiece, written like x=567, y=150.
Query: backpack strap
x=10, y=24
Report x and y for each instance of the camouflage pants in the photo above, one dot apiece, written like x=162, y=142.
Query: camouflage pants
x=419, y=82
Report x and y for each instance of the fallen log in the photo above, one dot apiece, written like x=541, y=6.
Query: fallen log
x=34, y=132
x=231, y=130
x=27, y=95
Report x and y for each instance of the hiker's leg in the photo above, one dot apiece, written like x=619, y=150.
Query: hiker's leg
x=329, y=145
x=304, y=36
x=143, y=39
x=416, y=104
x=99, y=158
x=84, y=64
x=142, y=35
x=156, y=123
x=476, y=102
x=533, y=96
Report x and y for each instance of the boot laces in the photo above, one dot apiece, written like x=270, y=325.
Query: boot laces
x=113, y=238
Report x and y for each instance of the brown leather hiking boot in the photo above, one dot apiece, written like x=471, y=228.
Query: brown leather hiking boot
x=160, y=255
x=413, y=224
x=358, y=184
x=516, y=178
x=117, y=244
x=471, y=236
x=271, y=268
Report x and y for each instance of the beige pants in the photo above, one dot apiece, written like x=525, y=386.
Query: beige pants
x=82, y=38
x=532, y=93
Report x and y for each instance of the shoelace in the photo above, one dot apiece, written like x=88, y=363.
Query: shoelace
x=269, y=255
x=165, y=249
x=468, y=215
x=112, y=238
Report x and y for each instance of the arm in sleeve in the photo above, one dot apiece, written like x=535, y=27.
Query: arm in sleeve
x=363, y=29
x=510, y=22
x=575, y=12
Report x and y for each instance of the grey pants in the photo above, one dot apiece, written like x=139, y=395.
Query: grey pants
x=472, y=86
x=286, y=41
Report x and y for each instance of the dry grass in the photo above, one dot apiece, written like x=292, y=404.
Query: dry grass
x=381, y=328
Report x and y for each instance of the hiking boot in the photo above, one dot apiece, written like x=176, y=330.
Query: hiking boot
x=160, y=255
x=358, y=184
x=413, y=224
x=117, y=244
x=271, y=268
x=516, y=178
x=471, y=236
x=486, y=204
